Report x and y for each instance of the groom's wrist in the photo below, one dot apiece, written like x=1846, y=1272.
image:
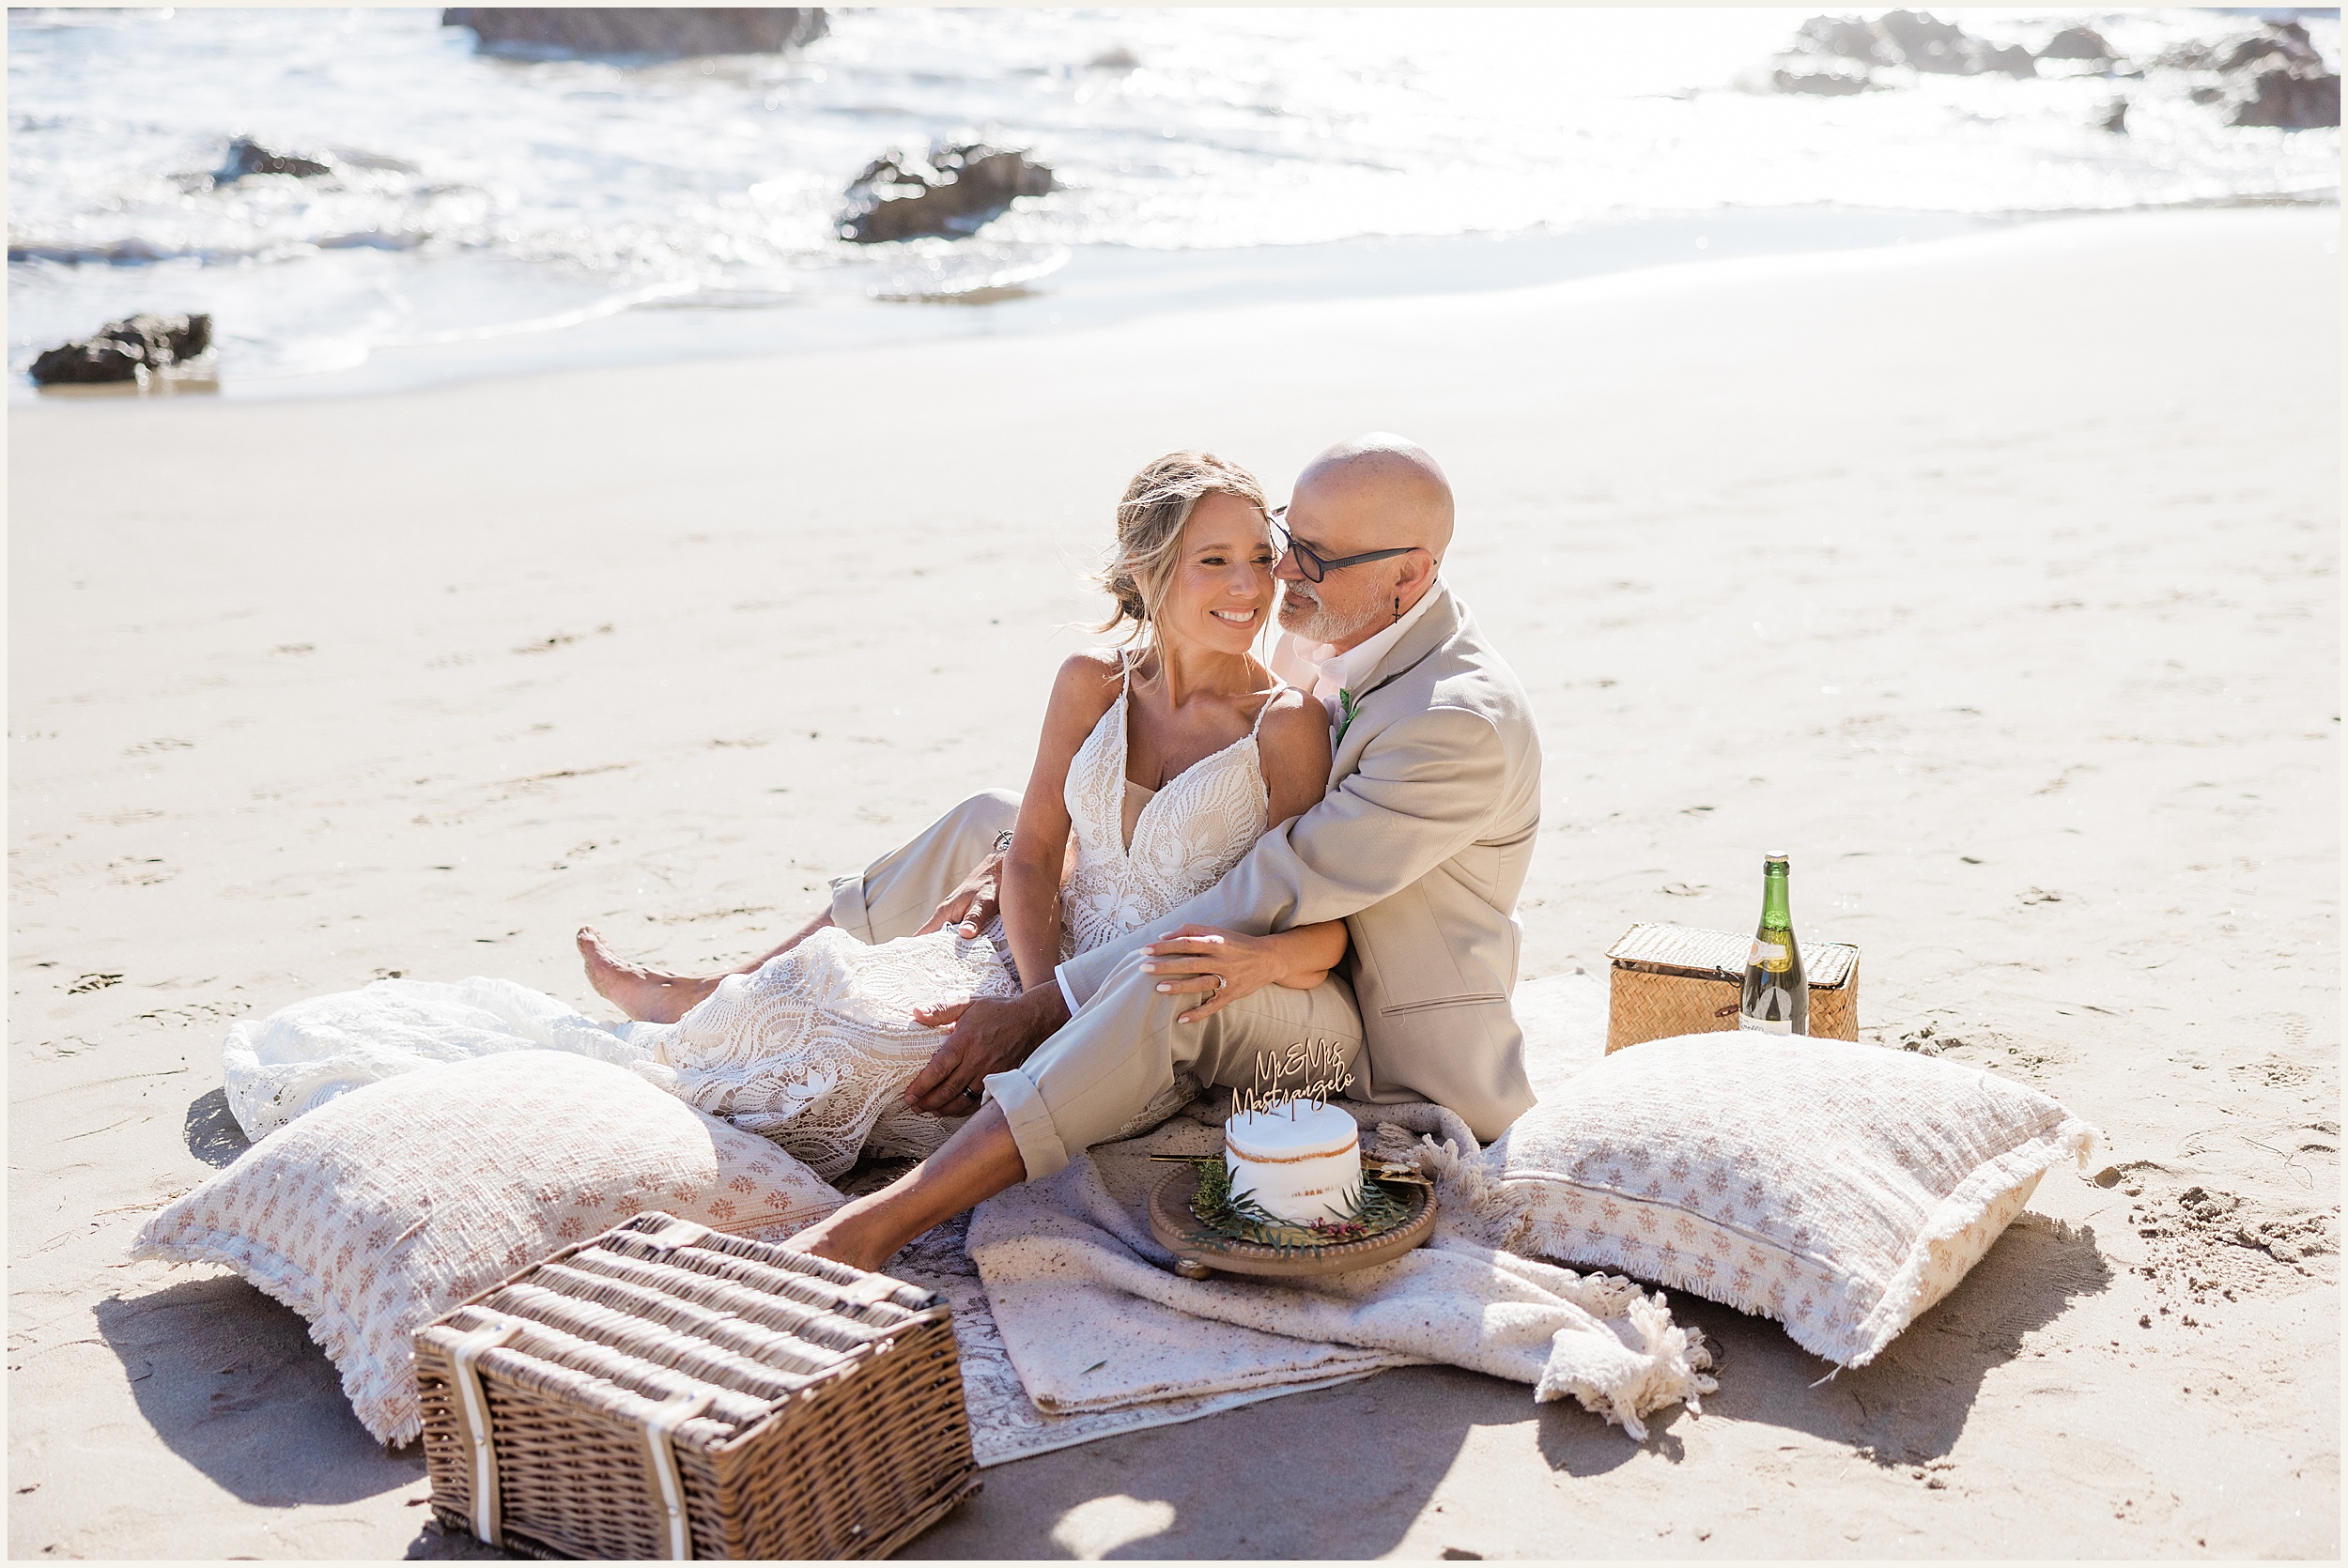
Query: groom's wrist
x=1048, y=1008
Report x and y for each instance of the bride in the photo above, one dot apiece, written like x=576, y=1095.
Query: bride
x=1161, y=763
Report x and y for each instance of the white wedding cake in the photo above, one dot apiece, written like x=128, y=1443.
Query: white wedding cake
x=1302, y=1161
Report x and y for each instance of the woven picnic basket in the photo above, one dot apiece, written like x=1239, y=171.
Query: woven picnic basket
x=668, y=1390
x=1683, y=980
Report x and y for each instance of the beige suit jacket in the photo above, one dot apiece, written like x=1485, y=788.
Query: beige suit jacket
x=1420, y=847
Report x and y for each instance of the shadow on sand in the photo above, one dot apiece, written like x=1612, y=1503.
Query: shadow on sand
x=233, y=1384
x=211, y=1133
x=1910, y=1403
x=230, y=1380
x=1194, y=1490
x=1408, y=1428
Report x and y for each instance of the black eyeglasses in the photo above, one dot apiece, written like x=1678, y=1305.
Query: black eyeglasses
x=1312, y=563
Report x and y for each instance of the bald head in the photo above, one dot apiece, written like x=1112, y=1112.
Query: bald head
x=1378, y=495
x=1381, y=492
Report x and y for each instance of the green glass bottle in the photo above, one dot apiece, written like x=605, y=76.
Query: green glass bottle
x=1777, y=994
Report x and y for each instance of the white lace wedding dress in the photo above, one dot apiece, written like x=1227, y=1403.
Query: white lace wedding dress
x=814, y=1048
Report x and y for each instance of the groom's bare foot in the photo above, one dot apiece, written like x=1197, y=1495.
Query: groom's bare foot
x=845, y=1236
x=978, y=1162
x=648, y=995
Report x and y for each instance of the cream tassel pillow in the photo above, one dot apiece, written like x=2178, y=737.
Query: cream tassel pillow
x=1841, y=1188
x=387, y=1206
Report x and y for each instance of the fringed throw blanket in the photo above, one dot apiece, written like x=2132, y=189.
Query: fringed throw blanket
x=1087, y=1306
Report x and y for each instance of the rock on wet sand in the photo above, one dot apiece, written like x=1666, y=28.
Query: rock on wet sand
x=951, y=192
x=127, y=350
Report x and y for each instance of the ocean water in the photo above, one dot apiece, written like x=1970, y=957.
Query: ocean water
x=490, y=214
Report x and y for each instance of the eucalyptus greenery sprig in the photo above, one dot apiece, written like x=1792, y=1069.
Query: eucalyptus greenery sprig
x=1378, y=1209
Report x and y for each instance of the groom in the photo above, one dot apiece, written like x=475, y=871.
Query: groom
x=1420, y=846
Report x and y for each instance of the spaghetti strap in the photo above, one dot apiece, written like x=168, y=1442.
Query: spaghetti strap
x=1278, y=686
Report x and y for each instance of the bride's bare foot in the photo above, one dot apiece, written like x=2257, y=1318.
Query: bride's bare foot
x=648, y=995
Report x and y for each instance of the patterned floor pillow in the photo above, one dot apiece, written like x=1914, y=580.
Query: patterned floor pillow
x=1841, y=1188
x=382, y=1208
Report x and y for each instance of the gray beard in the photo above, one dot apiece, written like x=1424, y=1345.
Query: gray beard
x=1322, y=626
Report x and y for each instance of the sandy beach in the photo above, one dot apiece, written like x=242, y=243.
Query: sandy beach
x=1994, y=580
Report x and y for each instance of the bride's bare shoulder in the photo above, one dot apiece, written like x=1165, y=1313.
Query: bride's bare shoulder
x=1297, y=724
x=1296, y=711
x=1087, y=684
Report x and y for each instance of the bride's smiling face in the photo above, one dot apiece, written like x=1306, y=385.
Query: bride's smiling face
x=1222, y=592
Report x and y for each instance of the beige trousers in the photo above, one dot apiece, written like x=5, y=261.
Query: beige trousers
x=1122, y=1064
x=897, y=894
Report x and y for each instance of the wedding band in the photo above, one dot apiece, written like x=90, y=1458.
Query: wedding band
x=1220, y=981
x=971, y=1094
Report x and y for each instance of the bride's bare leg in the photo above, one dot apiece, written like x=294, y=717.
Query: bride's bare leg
x=655, y=995
x=977, y=1163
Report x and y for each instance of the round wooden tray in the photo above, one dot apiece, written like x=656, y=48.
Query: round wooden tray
x=1200, y=1252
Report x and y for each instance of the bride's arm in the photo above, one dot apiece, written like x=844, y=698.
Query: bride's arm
x=1293, y=749
x=1293, y=746
x=1081, y=693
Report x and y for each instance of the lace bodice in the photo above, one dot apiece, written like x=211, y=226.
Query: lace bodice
x=1196, y=827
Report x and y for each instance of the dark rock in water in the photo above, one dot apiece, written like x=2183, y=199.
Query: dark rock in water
x=2293, y=99
x=956, y=190
x=2076, y=43
x=1929, y=44
x=2115, y=117
x=2274, y=77
x=248, y=157
x=2010, y=60
x=2287, y=41
x=87, y=361
x=1822, y=79
x=1915, y=32
x=659, y=30
x=126, y=350
x=2283, y=42
x=1844, y=37
x=1835, y=56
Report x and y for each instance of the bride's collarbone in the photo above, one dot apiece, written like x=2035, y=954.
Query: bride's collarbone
x=1160, y=749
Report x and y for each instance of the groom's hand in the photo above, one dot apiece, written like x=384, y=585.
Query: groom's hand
x=990, y=1035
x=974, y=903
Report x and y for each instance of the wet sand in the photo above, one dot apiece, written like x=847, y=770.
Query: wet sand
x=1994, y=580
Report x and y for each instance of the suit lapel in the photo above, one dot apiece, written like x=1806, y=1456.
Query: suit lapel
x=1430, y=631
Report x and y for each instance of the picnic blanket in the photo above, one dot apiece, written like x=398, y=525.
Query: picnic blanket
x=1073, y=1325
x=1093, y=1318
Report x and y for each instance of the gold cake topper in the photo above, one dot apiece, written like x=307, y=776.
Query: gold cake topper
x=1309, y=1071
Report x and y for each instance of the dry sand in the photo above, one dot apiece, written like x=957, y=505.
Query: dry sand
x=1993, y=579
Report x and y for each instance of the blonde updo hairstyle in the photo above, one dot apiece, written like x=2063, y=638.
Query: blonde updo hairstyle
x=1149, y=523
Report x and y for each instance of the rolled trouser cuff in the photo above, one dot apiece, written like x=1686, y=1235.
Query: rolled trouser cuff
x=896, y=894
x=847, y=908
x=1030, y=1120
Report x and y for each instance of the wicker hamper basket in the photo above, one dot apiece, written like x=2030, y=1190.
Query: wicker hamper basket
x=1680, y=980
x=666, y=1391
